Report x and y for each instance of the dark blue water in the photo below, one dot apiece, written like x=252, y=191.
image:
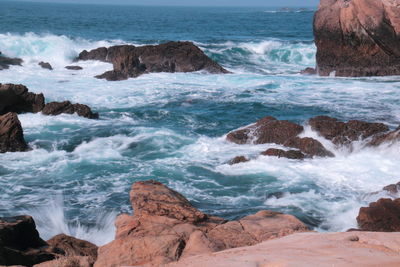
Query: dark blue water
x=171, y=127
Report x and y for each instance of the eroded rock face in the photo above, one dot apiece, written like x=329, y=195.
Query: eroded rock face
x=166, y=227
x=20, y=243
x=380, y=216
x=130, y=61
x=358, y=37
x=344, y=133
x=11, y=134
x=57, y=108
x=6, y=62
x=17, y=98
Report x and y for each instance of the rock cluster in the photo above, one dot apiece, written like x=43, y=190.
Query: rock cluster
x=15, y=98
x=166, y=227
x=358, y=37
x=131, y=61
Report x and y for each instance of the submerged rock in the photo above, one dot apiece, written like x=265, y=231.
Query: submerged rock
x=238, y=159
x=380, y=216
x=20, y=243
x=166, y=227
x=392, y=188
x=17, y=98
x=344, y=133
x=74, y=68
x=130, y=61
x=11, y=134
x=358, y=37
x=309, y=71
x=6, y=62
x=45, y=65
x=57, y=108
x=290, y=154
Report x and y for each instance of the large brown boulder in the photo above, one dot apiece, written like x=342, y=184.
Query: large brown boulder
x=344, y=133
x=130, y=61
x=358, y=37
x=380, y=216
x=270, y=130
x=20, y=243
x=57, y=108
x=6, y=62
x=16, y=98
x=11, y=134
x=166, y=227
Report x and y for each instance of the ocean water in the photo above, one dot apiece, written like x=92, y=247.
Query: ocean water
x=172, y=127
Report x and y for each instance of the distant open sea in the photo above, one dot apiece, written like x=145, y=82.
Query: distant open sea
x=171, y=127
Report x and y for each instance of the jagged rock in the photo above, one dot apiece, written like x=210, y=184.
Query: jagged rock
x=6, y=62
x=45, y=65
x=387, y=138
x=57, y=108
x=291, y=154
x=270, y=130
x=166, y=227
x=16, y=98
x=238, y=159
x=358, y=37
x=343, y=133
x=20, y=243
x=73, y=246
x=308, y=71
x=74, y=68
x=380, y=216
x=392, y=188
x=130, y=61
x=11, y=134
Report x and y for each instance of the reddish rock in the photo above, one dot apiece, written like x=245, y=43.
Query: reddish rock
x=16, y=98
x=166, y=227
x=73, y=246
x=57, y=108
x=20, y=243
x=130, y=61
x=45, y=65
x=11, y=134
x=380, y=216
x=266, y=130
x=309, y=146
x=341, y=133
x=358, y=37
x=238, y=159
x=291, y=154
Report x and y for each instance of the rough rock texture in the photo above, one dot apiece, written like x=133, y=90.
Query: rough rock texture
x=20, y=243
x=130, y=61
x=388, y=138
x=6, y=62
x=308, y=249
x=45, y=65
x=290, y=154
x=238, y=159
x=73, y=246
x=392, y=188
x=11, y=134
x=343, y=133
x=358, y=37
x=57, y=108
x=380, y=216
x=74, y=68
x=270, y=130
x=73, y=261
x=16, y=98
x=166, y=227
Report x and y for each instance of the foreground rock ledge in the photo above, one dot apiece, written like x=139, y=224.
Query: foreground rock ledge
x=130, y=61
x=309, y=249
x=165, y=227
x=358, y=37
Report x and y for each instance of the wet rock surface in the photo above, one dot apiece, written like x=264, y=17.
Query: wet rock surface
x=11, y=134
x=45, y=65
x=57, y=108
x=6, y=62
x=17, y=98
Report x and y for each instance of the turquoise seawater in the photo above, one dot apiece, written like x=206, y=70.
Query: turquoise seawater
x=172, y=127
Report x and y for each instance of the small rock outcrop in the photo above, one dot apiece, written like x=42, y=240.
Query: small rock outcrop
x=17, y=98
x=388, y=138
x=20, y=243
x=11, y=134
x=74, y=68
x=344, y=133
x=358, y=37
x=45, y=65
x=269, y=130
x=380, y=216
x=290, y=154
x=238, y=159
x=130, y=61
x=57, y=108
x=6, y=62
x=166, y=227
x=392, y=189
